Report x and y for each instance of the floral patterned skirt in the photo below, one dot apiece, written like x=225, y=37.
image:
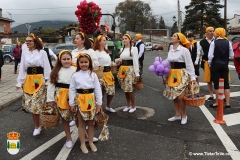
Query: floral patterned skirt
x=127, y=82
x=109, y=89
x=89, y=115
x=33, y=103
x=173, y=92
x=66, y=114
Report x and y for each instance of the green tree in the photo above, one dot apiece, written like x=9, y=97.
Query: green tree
x=201, y=14
x=162, y=23
x=174, y=28
x=132, y=15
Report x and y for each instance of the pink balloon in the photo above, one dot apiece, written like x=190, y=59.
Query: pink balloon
x=166, y=70
x=156, y=63
x=165, y=64
x=151, y=68
x=160, y=68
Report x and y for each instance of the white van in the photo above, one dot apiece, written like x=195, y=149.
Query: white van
x=148, y=46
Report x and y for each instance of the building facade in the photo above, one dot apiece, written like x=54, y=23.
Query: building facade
x=5, y=26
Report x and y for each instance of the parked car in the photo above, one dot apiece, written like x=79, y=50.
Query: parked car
x=157, y=47
x=60, y=47
x=148, y=46
x=7, y=52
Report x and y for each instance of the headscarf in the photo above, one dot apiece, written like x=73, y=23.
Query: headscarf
x=183, y=40
x=220, y=32
x=139, y=35
x=129, y=37
x=208, y=28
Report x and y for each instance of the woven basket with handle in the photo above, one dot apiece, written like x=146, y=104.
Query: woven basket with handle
x=194, y=102
x=98, y=71
x=101, y=119
x=49, y=120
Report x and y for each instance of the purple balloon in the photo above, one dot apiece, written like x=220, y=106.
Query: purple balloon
x=165, y=64
x=157, y=73
x=158, y=59
x=160, y=68
x=156, y=63
x=166, y=70
x=161, y=74
x=151, y=68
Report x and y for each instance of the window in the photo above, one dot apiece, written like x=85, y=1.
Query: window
x=238, y=20
x=6, y=48
x=1, y=28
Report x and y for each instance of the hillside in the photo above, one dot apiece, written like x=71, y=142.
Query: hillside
x=44, y=24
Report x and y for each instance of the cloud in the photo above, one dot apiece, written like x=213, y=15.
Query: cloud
x=26, y=11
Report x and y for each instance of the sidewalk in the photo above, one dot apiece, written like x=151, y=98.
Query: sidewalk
x=8, y=92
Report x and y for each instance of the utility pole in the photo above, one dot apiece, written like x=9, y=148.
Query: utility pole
x=179, y=18
x=225, y=14
x=28, y=26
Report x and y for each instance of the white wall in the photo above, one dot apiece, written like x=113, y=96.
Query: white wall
x=235, y=21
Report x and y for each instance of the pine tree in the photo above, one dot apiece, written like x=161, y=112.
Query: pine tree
x=162, y=23
x=18, y=145
x=201, y=14
x=174, y=28
x=8, y=145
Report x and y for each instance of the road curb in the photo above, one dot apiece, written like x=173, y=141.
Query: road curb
x=4, y=105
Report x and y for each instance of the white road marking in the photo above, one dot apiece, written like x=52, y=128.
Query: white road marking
x=232, y=119
x=231, y=66
x=45, y=146
x=222, y=135
x=63, y=154
x=232, y=94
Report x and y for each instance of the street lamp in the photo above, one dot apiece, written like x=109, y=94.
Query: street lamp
x=174, y=18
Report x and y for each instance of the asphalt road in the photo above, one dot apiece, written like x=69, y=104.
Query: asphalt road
x=131, y=138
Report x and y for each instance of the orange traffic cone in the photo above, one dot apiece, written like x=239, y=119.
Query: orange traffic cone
x=219, y=117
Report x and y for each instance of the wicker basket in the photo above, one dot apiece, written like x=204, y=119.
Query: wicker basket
x=50, y=120
x=101, y=119
x=138, y=84
x=98, y=71
x=194, y=102
x=114, y=69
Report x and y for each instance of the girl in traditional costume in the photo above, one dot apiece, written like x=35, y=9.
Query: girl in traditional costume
x=33, y=73
x=85, y=92
x=181, y=74
x=83, y=45
x=58, y=89
x=128, y=71
x=104, y=59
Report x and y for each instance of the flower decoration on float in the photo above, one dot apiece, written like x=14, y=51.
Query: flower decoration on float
x=89, y=15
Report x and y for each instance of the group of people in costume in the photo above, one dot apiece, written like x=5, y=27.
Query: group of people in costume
x=184, y=56
x=73, y=86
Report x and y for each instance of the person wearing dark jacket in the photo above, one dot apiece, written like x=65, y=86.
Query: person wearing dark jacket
x=1, y=64
x=141, y=47
x=17, y=51
x=218, y=58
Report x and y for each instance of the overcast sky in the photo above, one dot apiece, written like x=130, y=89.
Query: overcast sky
x=27, y=11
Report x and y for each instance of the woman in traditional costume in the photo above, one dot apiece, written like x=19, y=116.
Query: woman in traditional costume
x=181, y=74
x=33, y=74
x=104, y=59
x=128, y=72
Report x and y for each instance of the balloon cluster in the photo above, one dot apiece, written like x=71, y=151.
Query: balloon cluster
x=159, y=67
x=87, y=16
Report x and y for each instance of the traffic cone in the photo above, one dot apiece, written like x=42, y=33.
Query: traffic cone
x=219, y=117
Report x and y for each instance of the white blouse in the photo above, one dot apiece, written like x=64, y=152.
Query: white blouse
x=182, y=54
x=104, y=58
x=83, y=80
x=90, y=52
x=33, y=58
x=125, y=55
x=64, y=76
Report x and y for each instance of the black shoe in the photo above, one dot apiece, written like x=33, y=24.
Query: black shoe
x=213, y=105
x=210, y=99
x=227, y=107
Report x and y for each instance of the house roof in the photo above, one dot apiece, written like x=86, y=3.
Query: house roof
x=6, y=19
